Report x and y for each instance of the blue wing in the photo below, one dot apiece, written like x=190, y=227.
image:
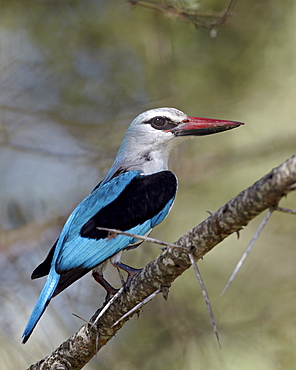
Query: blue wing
x=130, y=202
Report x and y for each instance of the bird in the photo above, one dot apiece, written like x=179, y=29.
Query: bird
x=135, y=196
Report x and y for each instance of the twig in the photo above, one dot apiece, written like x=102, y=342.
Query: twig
x=81, y=318
x=144, y=238
x=208, y=20
x=138, y=306
x=205, y=296
x=249, y=248
x=107, y=305
x=286, y=210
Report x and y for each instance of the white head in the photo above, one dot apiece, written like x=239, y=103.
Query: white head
x=151, y=136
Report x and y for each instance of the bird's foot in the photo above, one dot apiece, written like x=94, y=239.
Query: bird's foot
x=130, y=278
x=131, y=272
x=108, y=287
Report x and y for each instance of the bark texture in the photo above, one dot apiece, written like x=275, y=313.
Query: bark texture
x=266, y=193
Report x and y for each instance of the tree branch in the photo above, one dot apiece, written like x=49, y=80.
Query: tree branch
x=183, y=11
x=75, y=352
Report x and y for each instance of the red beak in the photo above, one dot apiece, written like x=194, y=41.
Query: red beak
x=203, y=126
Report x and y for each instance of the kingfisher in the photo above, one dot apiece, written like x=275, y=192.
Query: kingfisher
x=135, y=196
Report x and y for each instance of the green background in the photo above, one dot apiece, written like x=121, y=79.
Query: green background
x=73, y=74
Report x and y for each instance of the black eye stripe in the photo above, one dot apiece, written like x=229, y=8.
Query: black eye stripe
x=161, y=123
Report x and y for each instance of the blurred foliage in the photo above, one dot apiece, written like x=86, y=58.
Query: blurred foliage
x=73, y=75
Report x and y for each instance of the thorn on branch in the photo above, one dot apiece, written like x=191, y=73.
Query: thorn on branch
x=248, y=249
x=81, y=318
x=165, y=291
x=238, y=232
x=205, y=296
x=286, y=210
x=107, y=305
x=292, y=187
x=137, y=307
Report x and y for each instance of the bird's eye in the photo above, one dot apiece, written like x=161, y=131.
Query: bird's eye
x=158, y=122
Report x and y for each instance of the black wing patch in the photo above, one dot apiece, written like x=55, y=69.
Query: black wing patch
x=68, y=278
x=141, y=200
x=44, y=267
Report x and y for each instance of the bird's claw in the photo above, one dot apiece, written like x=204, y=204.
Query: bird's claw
x=129, y=279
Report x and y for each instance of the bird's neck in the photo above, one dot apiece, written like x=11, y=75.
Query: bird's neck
x=146, y=161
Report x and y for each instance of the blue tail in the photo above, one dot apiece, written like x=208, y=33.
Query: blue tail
x=43, y=301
